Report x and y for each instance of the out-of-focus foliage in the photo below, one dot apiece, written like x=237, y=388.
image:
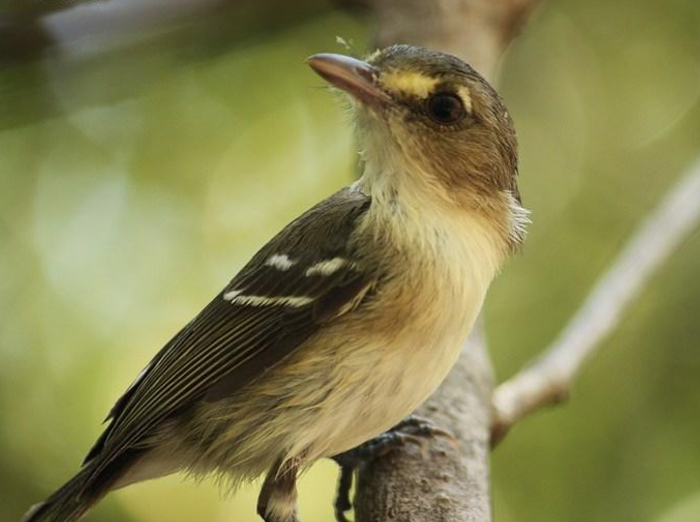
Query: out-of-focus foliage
x=135, y=181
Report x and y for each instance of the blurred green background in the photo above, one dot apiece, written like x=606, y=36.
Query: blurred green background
x=139, y=171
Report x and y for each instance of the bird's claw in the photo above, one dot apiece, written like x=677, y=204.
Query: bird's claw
x=412, y=430
x=423, y=429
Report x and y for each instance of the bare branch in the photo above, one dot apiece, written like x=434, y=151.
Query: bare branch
x=449, y=484
x=476, y=30
x=548, y=379
x=453, y=485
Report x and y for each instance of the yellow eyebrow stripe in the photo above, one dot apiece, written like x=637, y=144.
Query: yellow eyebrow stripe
x=414, y=83
x=409, y=82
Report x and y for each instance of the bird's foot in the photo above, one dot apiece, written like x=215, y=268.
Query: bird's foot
x=412, y=430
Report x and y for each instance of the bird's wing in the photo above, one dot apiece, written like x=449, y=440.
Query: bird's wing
x=305, y=276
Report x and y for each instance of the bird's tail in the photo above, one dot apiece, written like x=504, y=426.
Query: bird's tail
x=72, y=500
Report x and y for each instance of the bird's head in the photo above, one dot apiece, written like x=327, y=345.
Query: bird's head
x=427, y=120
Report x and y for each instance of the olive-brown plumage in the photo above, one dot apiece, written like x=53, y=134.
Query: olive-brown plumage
x=347, y=319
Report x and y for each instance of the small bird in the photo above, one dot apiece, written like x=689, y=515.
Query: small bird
x=346, y=320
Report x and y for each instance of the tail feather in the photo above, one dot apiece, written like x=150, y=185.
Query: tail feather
x=72, y=500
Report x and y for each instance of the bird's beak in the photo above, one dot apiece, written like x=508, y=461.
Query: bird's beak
x=355, y=77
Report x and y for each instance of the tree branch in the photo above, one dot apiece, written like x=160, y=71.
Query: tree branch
x=450, y=483
x=453, y=484
x=549, y=379
x=478, y=31
x=447, y=483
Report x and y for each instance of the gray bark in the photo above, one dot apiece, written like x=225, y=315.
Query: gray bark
x=447, y=483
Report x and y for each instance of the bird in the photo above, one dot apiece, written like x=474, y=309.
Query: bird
x=346, y=321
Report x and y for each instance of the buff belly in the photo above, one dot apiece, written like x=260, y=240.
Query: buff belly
x=338, y=391
x=354, y=380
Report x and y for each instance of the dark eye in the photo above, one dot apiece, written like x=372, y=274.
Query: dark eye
x=445, y=108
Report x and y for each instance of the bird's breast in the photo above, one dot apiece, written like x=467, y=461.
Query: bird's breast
x=410, y=334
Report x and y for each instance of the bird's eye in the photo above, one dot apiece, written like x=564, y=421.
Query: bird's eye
x=445, y=108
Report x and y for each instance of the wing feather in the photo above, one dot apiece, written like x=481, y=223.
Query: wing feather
x=230, y=343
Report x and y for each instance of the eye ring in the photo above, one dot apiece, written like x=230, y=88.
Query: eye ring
x=445, y=108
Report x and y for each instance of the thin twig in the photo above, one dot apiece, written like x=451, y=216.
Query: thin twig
x=549, y=379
